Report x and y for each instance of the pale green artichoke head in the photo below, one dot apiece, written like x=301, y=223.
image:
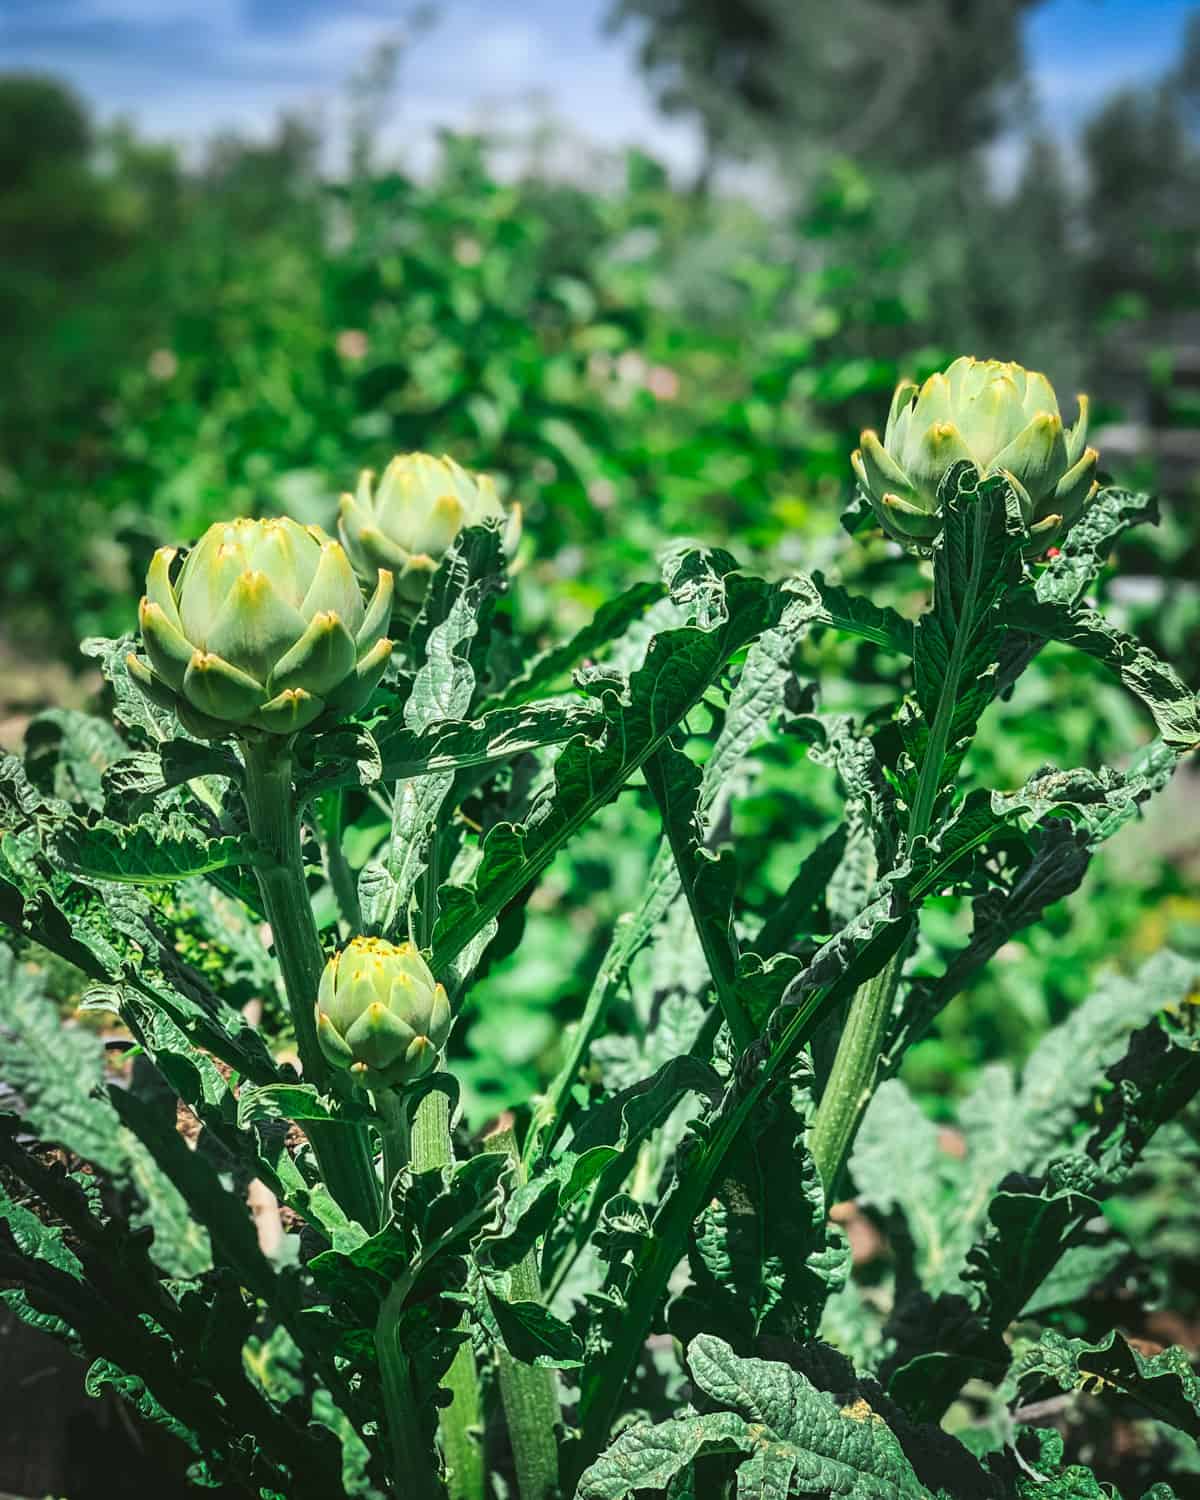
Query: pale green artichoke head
x=380, y=1014
x=409, y=521
x=263, y=629
x=1000, y=417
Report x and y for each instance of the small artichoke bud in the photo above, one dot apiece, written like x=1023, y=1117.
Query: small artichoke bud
x=1000, y=417
x=380, y=1014
x=409, y=521
x=263, y=629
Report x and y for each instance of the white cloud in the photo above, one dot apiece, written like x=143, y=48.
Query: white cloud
x=486, y=64
x=331, y=46
x=508, y=54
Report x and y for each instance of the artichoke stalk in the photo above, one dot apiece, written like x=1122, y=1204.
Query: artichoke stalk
x=380, y=1014
x=409, y=521
x=262, y=630
x=999, y=417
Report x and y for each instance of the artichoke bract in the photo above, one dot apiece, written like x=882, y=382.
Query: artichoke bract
x=1001, y=418
x=409, y=521
x=262, y=629
x=380, y=1014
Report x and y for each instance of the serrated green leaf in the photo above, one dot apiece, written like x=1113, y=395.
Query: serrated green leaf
x=650, y=1456
x=1084, y=549
x=35, y=1240
x=138, y=778
x=533, y=1335
x=131, y=707
x=1169, y=701
x=898, y=1165
x=869, y=811
x=764, y=1256
x=1067, y=1067
x=610, y=620
x=855, y=954
x=58, y=1075
x=471, y=574
x=68, y=755
x=625, y=1118
x=679, y=667
x=1164, y=1385
x=755, y=701
x=794, y=1436
x=605, y=1143
x=1155, y=1079
x=296, y=1101
x=857, y=615
x=1027, y=1237
x=156, y=850
x=437, y=1213
x=441, y=691
x=454, y=746
x=1054, y=864
x=708, y=879
x=180, y=1357
x=102, y=1372
x=386, y=885
x=1043, y=1475
x=112, y=934
x=1101, y=803
x=1034, y=1224
x=957, y=644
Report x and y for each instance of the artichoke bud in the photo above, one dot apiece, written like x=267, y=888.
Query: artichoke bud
x=261, y=629
x=997, y=416
x=409, y=521
x=380, y=1013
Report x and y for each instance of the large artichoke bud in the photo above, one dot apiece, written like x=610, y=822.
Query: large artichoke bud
x=380, y=1014
x=262, y=628
x=1000, y=417
x=409, y=521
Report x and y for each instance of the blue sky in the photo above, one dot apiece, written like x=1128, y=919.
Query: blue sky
x=185, y=68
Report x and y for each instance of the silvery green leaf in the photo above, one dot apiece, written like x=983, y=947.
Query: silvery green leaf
x=1163, y=1386
x=1085, y=548
x=1169, y=701
x=793, y=1437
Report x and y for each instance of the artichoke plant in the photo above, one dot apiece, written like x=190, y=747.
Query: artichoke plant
x=409, y=521
x=998, y=416
x=380, y=1014
x=262, y=629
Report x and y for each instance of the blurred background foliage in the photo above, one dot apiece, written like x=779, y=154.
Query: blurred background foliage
x=635, y=358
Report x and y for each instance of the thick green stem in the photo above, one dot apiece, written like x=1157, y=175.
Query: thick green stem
x=396, y=1134
x=342, y=1151
x=852, y=1078
x=529, y=1395
x=414, y=1471
x=461, y=1422
x=855, y=1068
